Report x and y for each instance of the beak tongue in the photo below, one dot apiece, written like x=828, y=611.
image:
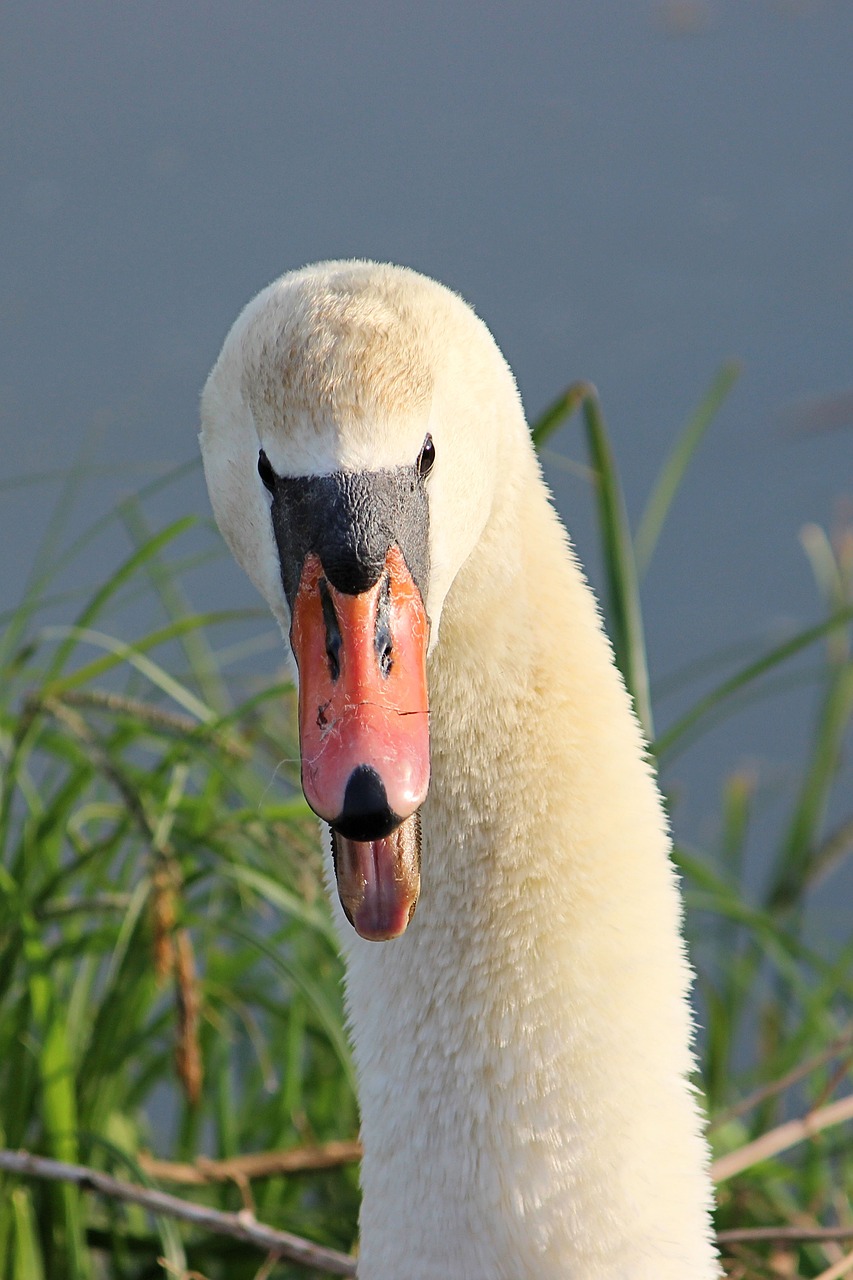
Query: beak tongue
x=379, y=881
x=364, y=734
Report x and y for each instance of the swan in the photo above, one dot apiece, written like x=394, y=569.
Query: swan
x=516, y=982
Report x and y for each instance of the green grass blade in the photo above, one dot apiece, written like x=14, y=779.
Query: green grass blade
x=713, y=701
x=285, y=900
x=557, y=413
x=40, y=573
x=28, y=1263
x=738, y=795
x=58, y=1094
x=622, y=587
x=316, y=998
x=672, y=472
x=623, y=593
x=797, y=860
x=46, y=568
x=164, y=580
x=134, y=655
x=113, y=584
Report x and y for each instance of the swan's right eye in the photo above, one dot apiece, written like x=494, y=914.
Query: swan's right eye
x=426, y=458
x=266, y=472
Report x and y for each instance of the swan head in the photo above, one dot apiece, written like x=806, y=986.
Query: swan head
x=350, y=435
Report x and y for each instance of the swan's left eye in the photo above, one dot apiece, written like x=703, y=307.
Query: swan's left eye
x=426, y=457
x=266, y=472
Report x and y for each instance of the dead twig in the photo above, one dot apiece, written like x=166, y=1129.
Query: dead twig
x=238, y=1226
x=801, y=1235
x=782, y=1138
x=259, y=1164
x=156, y=717
x=282, y=1244
x=838, y=1269
x=842, y=1044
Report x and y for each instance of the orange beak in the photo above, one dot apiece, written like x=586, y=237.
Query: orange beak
x=364, y=733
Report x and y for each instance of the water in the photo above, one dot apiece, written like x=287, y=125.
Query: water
x=628, y=192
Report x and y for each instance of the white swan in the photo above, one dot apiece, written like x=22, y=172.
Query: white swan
x=523, y=1048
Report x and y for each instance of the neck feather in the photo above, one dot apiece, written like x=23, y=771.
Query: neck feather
x=523, y=1049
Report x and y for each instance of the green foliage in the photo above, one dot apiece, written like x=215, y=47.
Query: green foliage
x=165, y=947
x=168, y=970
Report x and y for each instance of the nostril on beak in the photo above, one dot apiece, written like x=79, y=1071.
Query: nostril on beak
x=383, y=641
x=366, y=814
x=333, y=631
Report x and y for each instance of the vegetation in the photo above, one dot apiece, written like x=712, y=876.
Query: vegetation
x=169, y=979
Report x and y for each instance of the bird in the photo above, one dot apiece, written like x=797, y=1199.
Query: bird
x=498, y=859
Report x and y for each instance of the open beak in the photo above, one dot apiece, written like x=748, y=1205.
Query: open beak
x=364, y=734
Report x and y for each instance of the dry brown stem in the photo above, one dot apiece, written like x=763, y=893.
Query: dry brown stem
x=800, y=1235
x=782, y=1138
x=841, y=1045
x=838, y=1269
x=260, y=1164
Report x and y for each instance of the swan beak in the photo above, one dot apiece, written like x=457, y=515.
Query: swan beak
x=364, y=733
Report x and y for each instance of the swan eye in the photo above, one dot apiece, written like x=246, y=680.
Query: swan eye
x=426, y=457
x=266, y=472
